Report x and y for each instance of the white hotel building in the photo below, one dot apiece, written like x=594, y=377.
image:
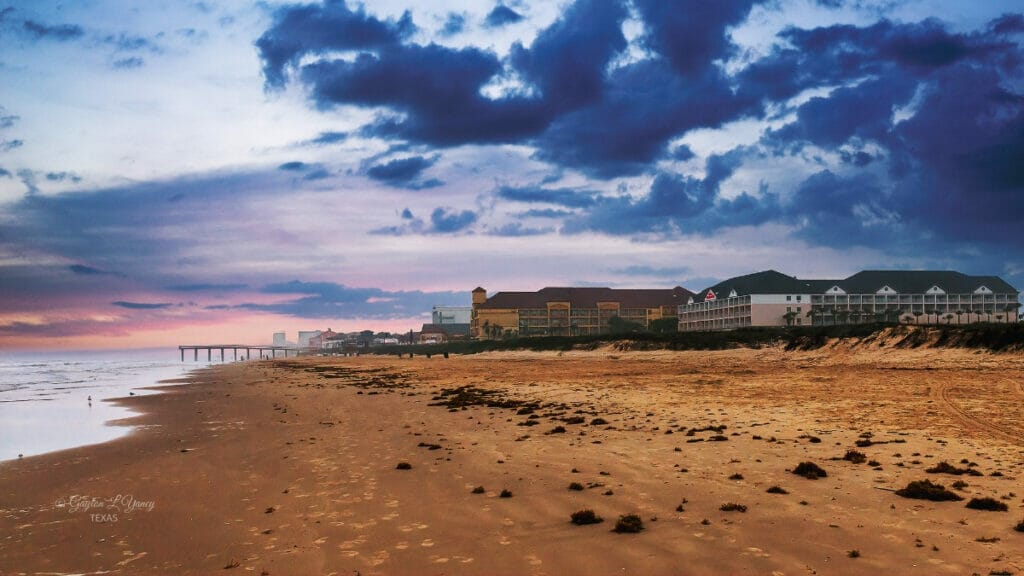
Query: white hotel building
x=771, y=298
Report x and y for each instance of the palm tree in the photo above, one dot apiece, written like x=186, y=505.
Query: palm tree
x=788, y=317
x=960, y=316
x=917, y=315
x=1012, y=308
x=812, y=314
x=949, y=318
x=928, y=315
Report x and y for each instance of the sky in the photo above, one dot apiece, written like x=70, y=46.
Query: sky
x=215, y=171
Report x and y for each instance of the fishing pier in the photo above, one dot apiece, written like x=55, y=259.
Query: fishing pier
x=273, y=350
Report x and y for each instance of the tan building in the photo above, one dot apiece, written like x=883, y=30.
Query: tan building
x=570, y=311
x=771, y=298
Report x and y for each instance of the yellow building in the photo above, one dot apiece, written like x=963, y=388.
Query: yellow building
x=570, y=311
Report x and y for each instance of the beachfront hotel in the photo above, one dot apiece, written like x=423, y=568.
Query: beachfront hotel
x=570, y=311
x=771, y=298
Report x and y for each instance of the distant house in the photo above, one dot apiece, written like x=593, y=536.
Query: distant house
x=440, y=333
x=570, y=311
x=771, y=298
x=321, y=339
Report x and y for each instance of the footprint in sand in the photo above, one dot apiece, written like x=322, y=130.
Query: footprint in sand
x=533, y=560
x=350, y=553
x=508, y=522
x=380, y=558
x=401, y=546
x=438, y=559
x=352, y=543
x=428, y=543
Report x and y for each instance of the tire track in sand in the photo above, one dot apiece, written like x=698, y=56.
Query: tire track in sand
x=941, y=393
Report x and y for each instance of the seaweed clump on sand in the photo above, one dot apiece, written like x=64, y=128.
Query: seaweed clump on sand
x=927, y=490
x=809, y=470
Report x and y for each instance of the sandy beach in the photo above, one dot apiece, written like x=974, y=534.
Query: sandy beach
x=292, y=467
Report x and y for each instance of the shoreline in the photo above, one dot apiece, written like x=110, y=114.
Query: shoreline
x=53, y=405
x=288, y=467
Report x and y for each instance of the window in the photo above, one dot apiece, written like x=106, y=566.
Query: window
x=798, y=321
x=788, y=309
x=798, y=308
x=789, y=298
x=798, y=298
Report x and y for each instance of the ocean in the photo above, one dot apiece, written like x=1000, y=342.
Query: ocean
x=44, y=396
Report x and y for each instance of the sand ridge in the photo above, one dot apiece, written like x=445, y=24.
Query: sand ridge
x=289, y=467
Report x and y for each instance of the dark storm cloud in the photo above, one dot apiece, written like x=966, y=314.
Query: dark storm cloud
x=517, y=229
x=678, y=204
x=453, y=24
x=142, y=305
x=500, y=16
x=59, y=32
x=8, y=145
x=129, y=63
x=692, y=35
x=128, y=42
x=331, y=300
x=63, y=177
x=639, y=270
x=917, y=130
x=447, y=220
x=116, y=228
x=7, y=120
x=566, y=63
x=84, y=270
x=207, y=287
x=325, y=138
x=644, y=105
x=559, y=196
x=543, y=213
x=299, y=30
x=400, y=171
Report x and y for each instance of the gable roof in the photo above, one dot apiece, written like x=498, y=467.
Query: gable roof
x=589, y=297
x=766, y=282
x=865, y=282
x=919, y=281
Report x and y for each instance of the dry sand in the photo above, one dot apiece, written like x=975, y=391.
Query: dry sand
x=289, y=467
